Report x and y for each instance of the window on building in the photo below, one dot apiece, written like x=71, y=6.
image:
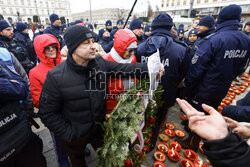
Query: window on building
x=198, y=1
x=22, y=2
x=162, y=5
x=1, y=1
x=206, y=1
x=184, y=2
x=214, y=0
x=30, y=10
x=24, y=11
x=41, y=3
x=29, y=4
x=172, y=4
x=4, y=10
x=11, y=10
x=167, y=4
x=178, y=3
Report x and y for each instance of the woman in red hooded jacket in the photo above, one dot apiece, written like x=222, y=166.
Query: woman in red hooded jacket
x=47, y=49
x=125, y=43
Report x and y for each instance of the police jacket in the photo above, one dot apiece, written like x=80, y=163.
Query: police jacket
x=53, y=30
x=106, y=43
x=24, y=41
x=36, y=34
x=18, y=51
x=240, y=112
x=171, y=54
x=73, y=96
x=219, y=59
x=194, y=46
x=230, y=151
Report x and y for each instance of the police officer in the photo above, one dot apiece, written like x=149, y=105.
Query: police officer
x=247, y=28
x=104, y=40
x=40, y=29
x=119, y=25
x=54, y=29
x=213, y=65
x=171, y=55
x=147, y=32
x=136, y=26
x=108, y=25
x=206, y=26
x=24, y=41
x=7, y=41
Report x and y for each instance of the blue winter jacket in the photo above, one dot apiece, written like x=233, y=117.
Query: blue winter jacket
x=220, y=58
x=24, y=41
x=240, y=112
x=171, y=54
x=53, y=30
x=106, y=43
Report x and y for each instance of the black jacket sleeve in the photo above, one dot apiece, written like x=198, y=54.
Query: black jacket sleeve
x=231, y=151
x=137, y=70
x=50, y=104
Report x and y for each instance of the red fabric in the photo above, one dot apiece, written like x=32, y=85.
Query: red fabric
x=38, y=74
x=122, y=40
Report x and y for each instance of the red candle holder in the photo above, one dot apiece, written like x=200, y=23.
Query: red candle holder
x=233, y=85
x=199, y=163
x=164, y=137
x=200, y=147
x=209, y=164
x=220, y=108
x=179, y=133
x=170, y=132
x=190, y=154
x=245, y=84
x=173, y=155
x=186, y=163
x=223, y=104
x=159, y=164
x=163, y=147
x=160, y=156
x=237, y=92
x=175, y=145
x=238, y=83
x=170, y=125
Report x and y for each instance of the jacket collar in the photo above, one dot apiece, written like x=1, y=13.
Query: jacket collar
x=55, y=27
x=92, y=66
x=228, y=25
x=118, y=58
x=3, y=38
x=161, y=32
x=206, y=33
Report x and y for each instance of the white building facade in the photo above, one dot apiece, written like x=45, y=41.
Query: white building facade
x=25, y=10
x=202, y=7
x=100, y=16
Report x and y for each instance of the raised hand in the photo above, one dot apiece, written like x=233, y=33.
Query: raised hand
x=209, y=127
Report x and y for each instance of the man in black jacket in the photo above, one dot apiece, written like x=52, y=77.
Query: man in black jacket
x=73, y=95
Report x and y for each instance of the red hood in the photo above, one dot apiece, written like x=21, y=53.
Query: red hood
x=123, y=38
x=40, y=42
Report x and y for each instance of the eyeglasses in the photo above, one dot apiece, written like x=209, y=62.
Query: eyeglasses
x=131, y=50
x=53, y=47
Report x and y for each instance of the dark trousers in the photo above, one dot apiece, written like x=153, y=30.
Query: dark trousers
x=30, y=156
x=76, y=147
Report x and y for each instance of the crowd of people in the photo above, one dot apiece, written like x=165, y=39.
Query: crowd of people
x=60, y=72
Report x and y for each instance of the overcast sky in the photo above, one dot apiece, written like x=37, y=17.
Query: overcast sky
x=83, y=5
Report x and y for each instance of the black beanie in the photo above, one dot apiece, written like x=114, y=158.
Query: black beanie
x=231, y=12
x=75, y=35
x=207, y=21
x=163, y=20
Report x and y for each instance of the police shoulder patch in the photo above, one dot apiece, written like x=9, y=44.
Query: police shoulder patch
x=195, y=58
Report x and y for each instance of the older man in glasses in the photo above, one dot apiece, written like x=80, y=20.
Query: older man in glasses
x=73, y=95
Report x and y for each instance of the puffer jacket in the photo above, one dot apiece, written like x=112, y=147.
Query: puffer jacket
x=122, y=39
x=73, y=96
x=38, y=74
